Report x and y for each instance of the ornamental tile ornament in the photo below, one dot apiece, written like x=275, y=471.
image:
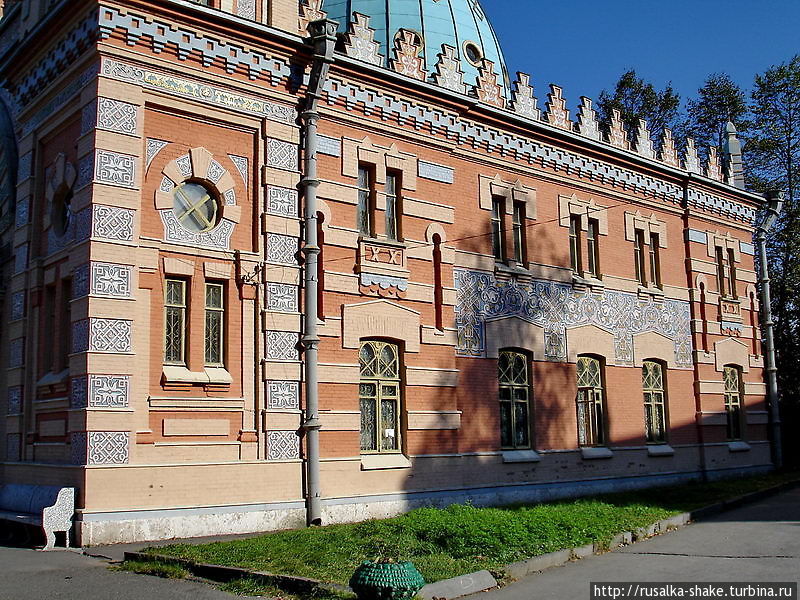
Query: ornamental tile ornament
x=109, y=279
x=85, y=171
x=215, y=171
x=243, y=166
x=78, y=442
x=14, y=447
x=448, y=73
x=88, y=117
x=252, y=62
x=434, y=172
x=25, y=168
x=246, y=9
x=282, y=201
x=110, y=335
x=14, y=404
x=17, y=305
x=557, y=113
x=167, y=185
x=154, y=146
x=523, y=102
x=616, y=131
x=281, y=155
x=108, y=447
x=283, y=395
x=109, y=391
x=184, y=165
x=557, y=307
x=691, y=162
x=644, y=145
x=113, y=168
x=80, y=335
x=713, y=167
x=587, y=120
x=229, y=197
x=329, y=145
x=281, y=345
x=283, y=445
x=282, y=297
x=310, y=11
x=16, y=353
x=281, y=249
x=407, y=60
x=668, y=154
x=80, y=281
x=112, y=223
x=487, y=88
x=22, y=212
x=79, y=392
x=117, y=116
x=218, y=238
x=360, y=42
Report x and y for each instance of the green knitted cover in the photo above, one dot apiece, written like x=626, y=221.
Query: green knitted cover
x=386, y=581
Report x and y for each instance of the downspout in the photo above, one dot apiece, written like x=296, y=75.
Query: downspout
x=774, y=204
x=323, y=38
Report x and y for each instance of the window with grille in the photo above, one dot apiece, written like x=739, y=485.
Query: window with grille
x=733, y=401
x=655, y=261
x=518, y=222
x=638, y=256
x=592, y=247
x=514, y=399
x=591, y=428
x=215, y=324
x=575, y=258
x=498, y=243
x=175, y=322
x=366, y=188
x=379, y=396
x=654, y=405
x=392, y=205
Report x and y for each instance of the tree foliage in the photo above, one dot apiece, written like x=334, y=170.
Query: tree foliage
x=637, y=99
x=718, y=101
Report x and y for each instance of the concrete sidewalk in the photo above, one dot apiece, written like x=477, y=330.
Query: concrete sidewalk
x=755, y=543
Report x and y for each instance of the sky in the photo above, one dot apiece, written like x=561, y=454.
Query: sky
x=584, y=46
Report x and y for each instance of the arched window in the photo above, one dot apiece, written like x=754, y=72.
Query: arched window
x=733, y=401
x=379, y=396
x=514, y=399
x=591, y=430
x=655, y=418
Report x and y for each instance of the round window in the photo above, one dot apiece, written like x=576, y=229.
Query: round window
x=195, y=206
x=473, y=53
x=62, y=212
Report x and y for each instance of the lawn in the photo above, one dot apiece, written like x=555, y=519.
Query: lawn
x=461, y=539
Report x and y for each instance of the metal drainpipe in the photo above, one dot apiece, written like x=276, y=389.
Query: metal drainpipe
x=774, y=204
x=323, y=38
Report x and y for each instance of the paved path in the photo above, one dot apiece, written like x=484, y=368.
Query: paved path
x=756, y=543
x=31, y=575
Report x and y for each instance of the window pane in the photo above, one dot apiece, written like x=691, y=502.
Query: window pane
x=591, y=248
x=391, y=206
x=506, y=437
x=213, y=295
x=575, y=244
x=368, y=424
x=497, y=229
x=364, y=201
x=521, y=424
x=173, y=351
x=519, y=231
x=389, y=431
x=655, y=264
x=213, y=339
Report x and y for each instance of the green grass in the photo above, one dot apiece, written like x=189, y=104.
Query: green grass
x=460, y=539
x=154, y=567
x=248, y=586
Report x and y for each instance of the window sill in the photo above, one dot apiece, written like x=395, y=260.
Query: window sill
x=371, y=462
x=660, y=450
x=521, y=456
x=650, y=290
x=590, y=282
x=596, y=452
x=738, y=446
x=178, y=374
x=53, y=378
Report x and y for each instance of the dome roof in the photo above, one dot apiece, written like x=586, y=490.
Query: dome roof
x=458, y=23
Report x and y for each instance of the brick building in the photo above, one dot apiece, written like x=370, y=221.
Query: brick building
x=505, y=303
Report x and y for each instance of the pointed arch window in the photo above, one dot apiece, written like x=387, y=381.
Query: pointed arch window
x=379, y=396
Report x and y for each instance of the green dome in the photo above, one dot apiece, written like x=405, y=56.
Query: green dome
x=458, y=23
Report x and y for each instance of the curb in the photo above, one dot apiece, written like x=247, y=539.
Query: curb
x=470, y=583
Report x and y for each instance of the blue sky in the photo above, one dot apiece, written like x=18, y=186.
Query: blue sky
x=585, y=46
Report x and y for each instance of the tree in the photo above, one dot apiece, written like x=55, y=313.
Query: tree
x=637, y=99
x=718, y=101
x=773, y=151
